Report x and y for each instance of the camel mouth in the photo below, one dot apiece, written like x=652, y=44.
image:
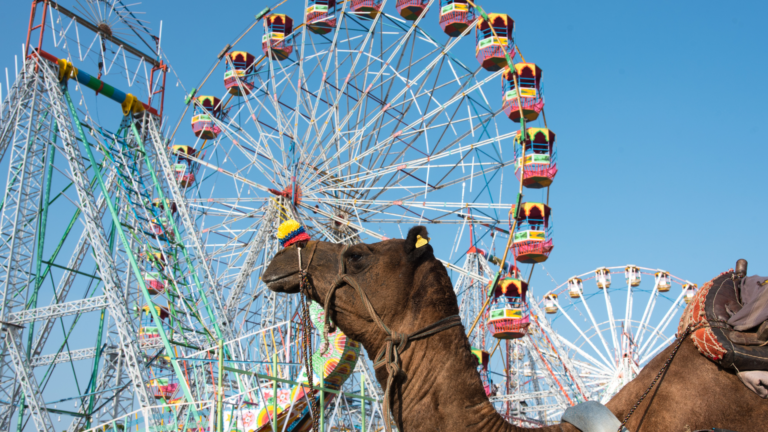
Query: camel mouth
x=288, y=284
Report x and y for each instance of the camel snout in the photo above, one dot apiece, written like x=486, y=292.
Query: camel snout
x=281, y=278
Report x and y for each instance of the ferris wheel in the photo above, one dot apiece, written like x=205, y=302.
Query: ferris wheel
x=612, y=328
x=356, y=122
x=353, y=118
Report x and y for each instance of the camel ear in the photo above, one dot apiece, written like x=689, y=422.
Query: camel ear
x=417, y=243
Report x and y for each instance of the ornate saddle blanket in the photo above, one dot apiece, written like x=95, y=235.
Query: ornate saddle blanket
x=708, y=315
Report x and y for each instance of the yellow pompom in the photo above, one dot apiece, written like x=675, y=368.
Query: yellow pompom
x=286, y=228
x=421, y=241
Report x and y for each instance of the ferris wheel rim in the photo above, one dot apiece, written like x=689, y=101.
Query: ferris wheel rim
x=590, y=275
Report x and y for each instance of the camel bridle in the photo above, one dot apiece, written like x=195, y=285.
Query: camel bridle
x=394, y=344
x=307, y=340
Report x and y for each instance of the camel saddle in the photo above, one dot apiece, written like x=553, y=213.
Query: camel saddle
x=707, y=315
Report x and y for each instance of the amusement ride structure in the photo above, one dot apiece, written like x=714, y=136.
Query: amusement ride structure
x=132, y=244
x=637, y=320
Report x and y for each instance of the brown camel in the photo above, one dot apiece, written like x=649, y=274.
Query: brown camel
x=441, y=388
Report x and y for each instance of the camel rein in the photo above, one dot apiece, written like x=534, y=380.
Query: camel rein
x=659, y=375
x=395, y=343
x=307, y=340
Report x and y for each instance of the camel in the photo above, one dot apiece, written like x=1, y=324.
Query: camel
x=440, y=388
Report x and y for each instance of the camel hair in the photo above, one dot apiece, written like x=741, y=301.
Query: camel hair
x=441, y=390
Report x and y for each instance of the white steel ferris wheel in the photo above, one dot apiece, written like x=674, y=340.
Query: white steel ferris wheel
x=357, y=122
x=612, y=328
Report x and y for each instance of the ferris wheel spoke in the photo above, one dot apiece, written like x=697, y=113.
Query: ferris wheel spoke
x=280, y=119
x=611, y=323
x=402, y=219
x=272, y=89
x=461, y=151
x=263, y=90
x=606, y=363
x=414, y=217
x=628, y=310
x=402, y=92
x=656, y=350
x=298, y=115
x=487, y=181
x=269, y=139
x=649, y=307
x=397, y=179
x=595, y=326
x=325, y=86
x=233, y=176
x=313, y=120
x=342, y=87
x=459, y=180
x=268, y=172
x=317, y=225
x=238, y=133
x=228, y=205
x=377, y=148
x=395, y=74
x=424, y=161
x=300, y=96
x=448, y=207
x=413, y=101
x=594, y=371
x=663, y=323
x=425, y=127
x=252, y=113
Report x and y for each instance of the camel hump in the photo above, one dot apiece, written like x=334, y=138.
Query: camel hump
x=708, y=316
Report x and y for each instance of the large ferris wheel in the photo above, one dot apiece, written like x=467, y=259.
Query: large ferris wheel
x=373, y=124
x=352, y=117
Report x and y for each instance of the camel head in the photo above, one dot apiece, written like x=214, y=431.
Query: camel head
x=406, y=285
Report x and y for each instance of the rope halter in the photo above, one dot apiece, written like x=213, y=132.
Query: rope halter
x=394, y=344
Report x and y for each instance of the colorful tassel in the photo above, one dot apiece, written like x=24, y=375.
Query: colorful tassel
x=291, y=232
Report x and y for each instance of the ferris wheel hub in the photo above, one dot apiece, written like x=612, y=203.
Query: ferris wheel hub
x=105, y=29
x=287, y=193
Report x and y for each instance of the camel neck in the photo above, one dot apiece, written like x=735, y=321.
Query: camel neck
x=442, y=389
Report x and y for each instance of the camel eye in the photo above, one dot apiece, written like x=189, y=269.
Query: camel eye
x=355, y=257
